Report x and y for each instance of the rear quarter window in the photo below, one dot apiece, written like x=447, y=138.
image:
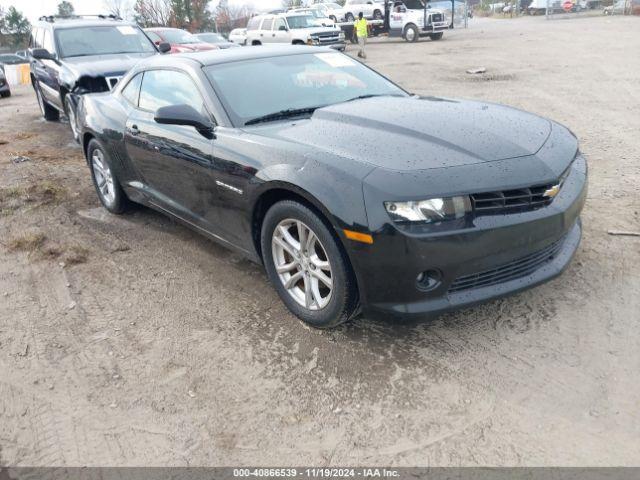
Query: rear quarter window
x=132, y=91
x=254, y=23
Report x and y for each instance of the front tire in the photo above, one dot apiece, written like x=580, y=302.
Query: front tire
x=411, y=33
x=307, y=266
x=49, y=113
x=436, y=36
x=377, y=15
x=5, y=94
x=349, y=17
x=104, y=179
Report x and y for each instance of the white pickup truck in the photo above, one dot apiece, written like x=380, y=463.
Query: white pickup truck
x=412, y=19
x=293, y=28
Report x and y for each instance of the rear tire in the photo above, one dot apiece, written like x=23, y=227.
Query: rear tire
x=49, y=113
x=436, y=36
x=322, y=291
x=349, y=17
x=377, y=15
x=104, y=179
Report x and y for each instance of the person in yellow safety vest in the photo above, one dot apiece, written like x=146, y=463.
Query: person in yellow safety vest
x=362, y=30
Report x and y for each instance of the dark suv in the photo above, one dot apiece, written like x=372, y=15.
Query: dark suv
x=72, y=56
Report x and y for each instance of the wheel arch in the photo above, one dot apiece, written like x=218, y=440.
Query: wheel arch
x=277, y=191
x=86, y=138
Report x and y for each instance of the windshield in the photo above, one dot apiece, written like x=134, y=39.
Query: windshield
x=302, y=21
x=85, y=41
x=212, y=37
x=254, y=88
x=102, y=40
x=178, y=36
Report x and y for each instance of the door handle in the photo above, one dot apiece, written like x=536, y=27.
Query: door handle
x=133, y=130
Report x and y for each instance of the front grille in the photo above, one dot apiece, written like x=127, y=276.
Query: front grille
x=510, y=201
x=517, y=269
x=327, y=38
x=436, y=17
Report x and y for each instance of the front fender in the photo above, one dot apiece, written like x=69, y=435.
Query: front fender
x=337, y=194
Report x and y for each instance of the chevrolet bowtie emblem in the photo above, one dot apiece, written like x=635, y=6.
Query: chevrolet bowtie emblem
x=552, y=192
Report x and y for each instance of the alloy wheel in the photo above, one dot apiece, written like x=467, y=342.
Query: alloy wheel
x=103, y=176
x=302, y=264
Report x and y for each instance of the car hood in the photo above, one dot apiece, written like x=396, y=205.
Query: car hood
x=314, y=30
x=102, y=65
x=408, y=134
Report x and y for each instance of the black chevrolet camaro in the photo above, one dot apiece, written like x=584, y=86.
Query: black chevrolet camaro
x=354, y=194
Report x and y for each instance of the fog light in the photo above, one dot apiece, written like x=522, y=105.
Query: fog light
x=429, y=280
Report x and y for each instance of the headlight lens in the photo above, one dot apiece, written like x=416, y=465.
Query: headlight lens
x=433, y=210
x=341, y=36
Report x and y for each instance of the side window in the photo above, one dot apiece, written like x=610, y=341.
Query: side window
x=161, y=88
x=155, y=38
x=279, y=24
x=47, y=42
x=267, y=24
x=254, y=23
x=132, y=90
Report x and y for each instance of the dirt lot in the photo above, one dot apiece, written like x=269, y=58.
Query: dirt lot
x=133, y=341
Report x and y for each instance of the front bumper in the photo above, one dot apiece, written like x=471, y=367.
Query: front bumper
x=435, y=27
x=388, y=269
x=336, y=46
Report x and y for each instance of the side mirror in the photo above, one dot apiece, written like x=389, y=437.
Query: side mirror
x=164, y=47
x=42, y=54
x=184, y=115
x=283, y=28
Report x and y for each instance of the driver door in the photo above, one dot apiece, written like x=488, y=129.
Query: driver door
x=173, y=161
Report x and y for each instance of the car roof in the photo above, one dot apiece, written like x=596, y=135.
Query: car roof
x=215, y=57
x=75, y=23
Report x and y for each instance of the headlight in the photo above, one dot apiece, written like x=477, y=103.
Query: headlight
x=433, y=210
x=341, y=35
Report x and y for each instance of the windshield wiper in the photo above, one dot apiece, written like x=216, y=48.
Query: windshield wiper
x=282, y=114
x=371, y=95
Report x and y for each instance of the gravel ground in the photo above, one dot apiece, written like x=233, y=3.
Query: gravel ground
x=133, y=341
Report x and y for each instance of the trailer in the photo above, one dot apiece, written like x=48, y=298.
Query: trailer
x=407, y=19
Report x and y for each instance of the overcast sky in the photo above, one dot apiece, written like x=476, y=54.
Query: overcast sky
x=36, y=8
